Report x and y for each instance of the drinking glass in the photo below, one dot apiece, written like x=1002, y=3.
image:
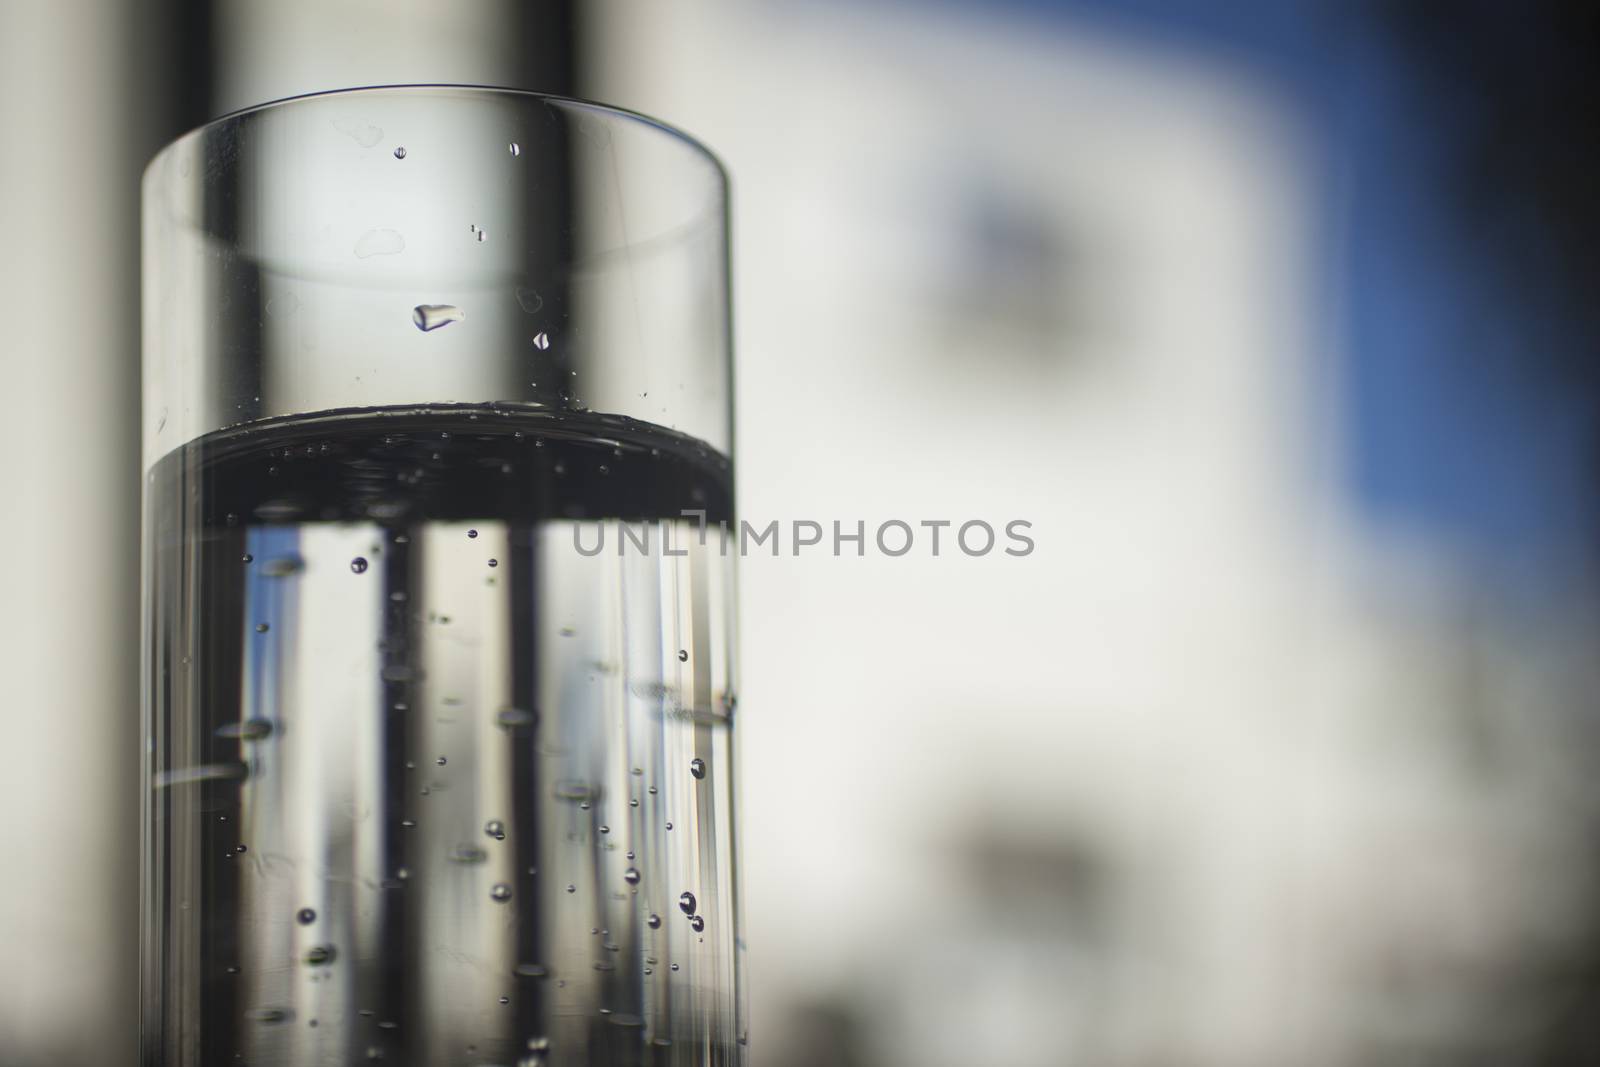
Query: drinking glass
x=439, y=675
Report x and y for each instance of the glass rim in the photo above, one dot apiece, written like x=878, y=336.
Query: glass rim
x=683, y=137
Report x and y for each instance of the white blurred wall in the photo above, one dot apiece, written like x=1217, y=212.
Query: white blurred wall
x=1185, y=785
x=69, y=539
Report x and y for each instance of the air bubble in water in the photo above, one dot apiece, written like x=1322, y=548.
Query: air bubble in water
x=683, y=655
x=686, y=902
x=571, y=888
x=494, y=563
x=429, y=317
x=262, y=627
x=467, y=854
x=500, y=893
x=514, y=148
x=696, y=923
x=605, y=829
x=674, y=966
x=306, y=916
x=511, y=718
x=249, y=730
x=669, y=826
x=472, y=533
x=654, y=922
x=697, y=767
x=541, y=340
x=400, y=153
x=440, y=761
x=495, y=829
x=359, y=565
x=631, y=876
x=248, y=558
x=320, y=954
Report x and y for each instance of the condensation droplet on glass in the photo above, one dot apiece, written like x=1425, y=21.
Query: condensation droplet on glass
x=530, y=300
x=379, y=243
x=652, y=790
x=500, y=893
x=429, y=317
x=359, y=565
x=654, y=922
x=697, y=767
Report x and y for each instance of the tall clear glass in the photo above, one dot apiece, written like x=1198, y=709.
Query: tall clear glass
x=438, y=618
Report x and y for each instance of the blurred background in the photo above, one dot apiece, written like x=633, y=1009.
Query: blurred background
x=1277, y=321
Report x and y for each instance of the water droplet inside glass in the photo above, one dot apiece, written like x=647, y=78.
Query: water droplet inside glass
x=320, y=954
x=514, y=148
x=248, y=558
x=359, y=565
x=674, y=966
x=428, y=317
x=541, y=340
x=495, y=829
x=306, y=916
x=654, y=922
x=686, y=902
x=605, y=829
x=631, y=876
x=500, y=893
x=683, y=655
x=697, y=767
x=696, y=923
x=472, y=533
x=669, y=826
x=364, y=134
